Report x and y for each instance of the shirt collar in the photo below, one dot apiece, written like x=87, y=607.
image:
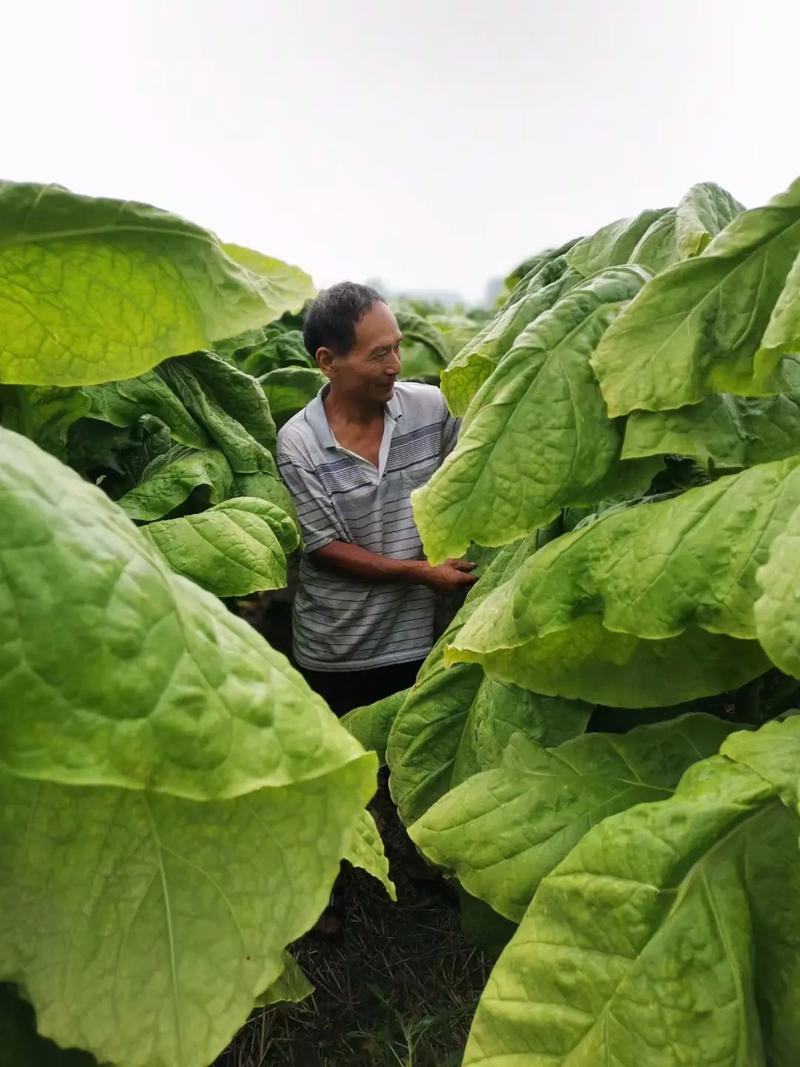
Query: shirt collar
x=318, y=420
x=394, y=408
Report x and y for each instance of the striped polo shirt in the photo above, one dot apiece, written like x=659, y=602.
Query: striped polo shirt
x=342, y=623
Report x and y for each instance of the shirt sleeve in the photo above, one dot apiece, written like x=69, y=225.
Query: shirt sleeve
x=318, y=520
x=450, y=427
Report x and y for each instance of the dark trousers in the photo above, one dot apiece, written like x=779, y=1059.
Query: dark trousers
x=345, y=690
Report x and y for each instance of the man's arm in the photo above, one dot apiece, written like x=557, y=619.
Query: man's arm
x=369, y=566
x=323, y=534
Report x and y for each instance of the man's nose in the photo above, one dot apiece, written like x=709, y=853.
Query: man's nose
x=395, y=365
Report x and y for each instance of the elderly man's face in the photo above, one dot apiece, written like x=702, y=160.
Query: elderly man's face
x=371, y=367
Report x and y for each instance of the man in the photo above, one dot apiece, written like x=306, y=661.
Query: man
x=364, y=611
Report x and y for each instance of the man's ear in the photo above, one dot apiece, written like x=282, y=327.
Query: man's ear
x=325, y=358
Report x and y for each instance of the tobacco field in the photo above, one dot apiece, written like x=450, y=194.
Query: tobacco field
x=601, y=753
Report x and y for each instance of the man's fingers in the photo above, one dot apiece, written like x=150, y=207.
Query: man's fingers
x=462, y=565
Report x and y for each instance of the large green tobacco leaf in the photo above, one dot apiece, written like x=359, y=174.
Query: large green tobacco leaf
x=123, y=403
x=666, y=938
x=370, y=725
x=21, y=1046
x=171, y=477
x=289, y=389
x=235, y=548
x=782, y=336
x=520, y=278
x=458, y=329
x=203, y=400
x=657, y=247
x=291, y=985
x=773, y=753
x=703, y=213
x=279, y=344
x=536, y=437
x=424, y=349
x=229, y=404
x=116, y=671
x=286, y=289
x=95, y=289
x=366, y=851
x=280, y=348
x=588, y=662
x=466, y=373
x=43, y=414
x=723, y=431
x=777, y=622
x=503, y=830
x=613, y=244
x=143, y=926
x=265, y=486
x=681, y=232
x=686, y=230
x=118, y=457
x=715, y=323
x=457, y=721
x=645, y=607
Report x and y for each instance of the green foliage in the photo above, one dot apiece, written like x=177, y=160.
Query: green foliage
x=718, y=322
x=776, y=618
x=110, y=924
x=425, y=352
x=174, y=800
x=157, y=286
x=154, y=738
x=289, y=389
x=542, y=396
x=370, y=724
x=278, y=344
x=723, y=431
x=609, y=612
x=457, y=721
x=652, y=870
x=665, y=937
x=524, y=271
x=20, y=1044
x=166, y=775
x=172, y=476
x=615, y=243
x=503, y=830
x=467, y=372
x=653, y=239
x=175, y=440
x=657, y=239
x=290, y=986
x=233, y=549
x=124, y=673
x=366, y=851
x=229, y=405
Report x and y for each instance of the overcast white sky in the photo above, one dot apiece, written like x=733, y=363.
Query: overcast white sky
x=431, y=143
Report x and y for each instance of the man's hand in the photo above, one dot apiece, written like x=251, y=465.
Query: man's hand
x=449, y=577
